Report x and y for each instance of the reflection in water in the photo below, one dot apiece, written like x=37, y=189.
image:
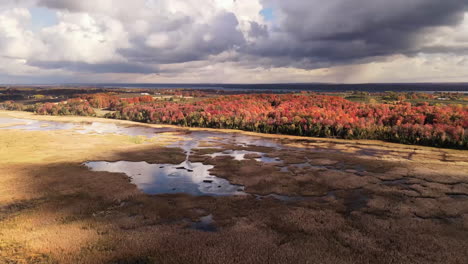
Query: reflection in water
x=265, y=159
x=187, y=177
x=240, y=155
x=235, y=154
x=34, y=125
x=82, y=128
x=11, y=121
x=246, y=140
x=331, y=195
x=187, y=141
x=194, y=178
x=110, y=128
x=205, y=224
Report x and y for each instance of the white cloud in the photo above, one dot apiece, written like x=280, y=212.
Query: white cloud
x=159, y=40
x=83, y=37
x=221, y=41
x=447, y=38
x=16, y=40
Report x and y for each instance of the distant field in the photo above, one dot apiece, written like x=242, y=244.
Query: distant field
x=434, y=119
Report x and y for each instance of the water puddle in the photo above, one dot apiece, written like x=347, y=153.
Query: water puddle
x=338, y=166
x=206, y=224
x=265, y=159
x=33, y=125
x=235, y=154
x=305, y=165
x=284, y=198
x=397, y=182
x=457, y=195
x=110, y=128
x=355, y=200
x=188, y=139
x=11, y=121
x=187, y=177
x=246, y=141
x=94, y=128
x=241, y=155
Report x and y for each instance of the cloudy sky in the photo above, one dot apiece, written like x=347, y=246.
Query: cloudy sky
x=233, y=41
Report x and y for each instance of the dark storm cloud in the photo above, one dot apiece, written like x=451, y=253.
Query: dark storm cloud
x=111, y=67
x=193, y=42
x=62, y=4
x=344, y=31
x=302, y=33
x=257, y=30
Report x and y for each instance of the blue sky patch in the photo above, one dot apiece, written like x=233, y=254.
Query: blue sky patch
x=42, y=17
x=268, y=14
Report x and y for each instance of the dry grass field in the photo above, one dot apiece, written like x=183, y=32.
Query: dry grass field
x=355, y=202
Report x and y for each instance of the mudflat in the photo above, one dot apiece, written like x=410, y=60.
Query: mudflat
x=304, y=200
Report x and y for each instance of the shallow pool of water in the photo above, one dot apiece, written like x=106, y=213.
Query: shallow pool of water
x=205, y=224
x=187, y=177
x=33, y=125
x=82, y=128
x=241, y=155
x=265, y=159
x=110, y=128
x=235, y=154
x=188, y=139
x=8, y=121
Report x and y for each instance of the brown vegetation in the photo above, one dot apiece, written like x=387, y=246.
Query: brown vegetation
x=361, y=202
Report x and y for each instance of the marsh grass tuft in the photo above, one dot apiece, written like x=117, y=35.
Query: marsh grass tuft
x=15, y=253
x=137, y=139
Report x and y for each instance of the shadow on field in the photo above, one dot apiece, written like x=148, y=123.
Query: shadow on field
x=74, y=215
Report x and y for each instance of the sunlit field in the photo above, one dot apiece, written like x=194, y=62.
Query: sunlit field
x=197, y=177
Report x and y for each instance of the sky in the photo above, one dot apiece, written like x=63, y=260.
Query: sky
x=233, y=41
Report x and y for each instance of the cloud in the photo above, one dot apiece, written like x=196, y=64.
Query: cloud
x=7, y=4
x=16, y=41
x=83, y=38
x=189, y=42
x=220, y=39
x=108, y=67
x=257, y=30
x=342, y=31
x=79, y=6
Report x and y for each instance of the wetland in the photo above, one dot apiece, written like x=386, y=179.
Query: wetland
x=90, y=190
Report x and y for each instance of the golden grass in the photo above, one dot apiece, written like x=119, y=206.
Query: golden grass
x=311, y=140
x=54, y=210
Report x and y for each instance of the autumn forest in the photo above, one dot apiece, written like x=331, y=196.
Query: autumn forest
x=302, y=114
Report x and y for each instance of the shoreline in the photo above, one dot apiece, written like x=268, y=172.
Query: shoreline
x=364, y=142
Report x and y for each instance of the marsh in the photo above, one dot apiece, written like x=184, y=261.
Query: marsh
x=73, y=194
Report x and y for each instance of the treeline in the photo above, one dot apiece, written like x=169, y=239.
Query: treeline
x=113, y=102
x=71, y=107
x=293, y=114
x=315, y=116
